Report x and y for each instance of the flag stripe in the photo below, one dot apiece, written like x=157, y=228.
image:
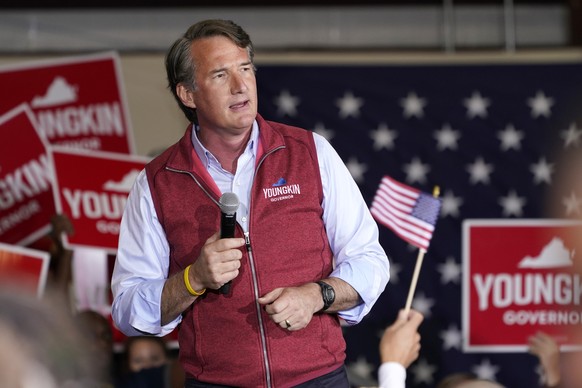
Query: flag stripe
x=411, y=223
x=410, y=237
x=397, y=207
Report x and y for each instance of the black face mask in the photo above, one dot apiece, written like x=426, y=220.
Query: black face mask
x=146, y=378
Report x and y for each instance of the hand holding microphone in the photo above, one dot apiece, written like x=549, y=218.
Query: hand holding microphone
x=228, y=206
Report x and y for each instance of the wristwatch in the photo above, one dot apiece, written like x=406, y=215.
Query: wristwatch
x=327, y=293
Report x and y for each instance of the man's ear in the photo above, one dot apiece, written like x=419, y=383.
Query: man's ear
x=186, y=96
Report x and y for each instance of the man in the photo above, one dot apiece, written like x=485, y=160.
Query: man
x=305, y=250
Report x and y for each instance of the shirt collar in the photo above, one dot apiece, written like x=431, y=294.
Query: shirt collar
x=206, y=156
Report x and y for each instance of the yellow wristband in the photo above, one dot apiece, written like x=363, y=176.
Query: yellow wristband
x=187, y=283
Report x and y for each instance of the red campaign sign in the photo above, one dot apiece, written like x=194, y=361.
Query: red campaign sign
x=76, y=101
x=91, y=189
x=24, y=268
x=518, y=279
x=26, y=198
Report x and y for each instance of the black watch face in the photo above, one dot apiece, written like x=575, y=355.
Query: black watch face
x=328, y=294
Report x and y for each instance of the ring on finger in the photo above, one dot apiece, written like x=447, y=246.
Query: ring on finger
x=287, y=324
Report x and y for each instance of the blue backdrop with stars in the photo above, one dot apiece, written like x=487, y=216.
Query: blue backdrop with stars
x=491, y=136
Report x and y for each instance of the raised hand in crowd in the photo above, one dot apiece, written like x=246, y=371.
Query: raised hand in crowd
x=401, y=342
x=547, y=350
x=399, y=347
x=60, y=264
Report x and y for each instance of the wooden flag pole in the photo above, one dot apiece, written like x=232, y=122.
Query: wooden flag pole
x=419, y=259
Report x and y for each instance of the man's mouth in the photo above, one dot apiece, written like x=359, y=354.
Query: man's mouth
x=240, y=105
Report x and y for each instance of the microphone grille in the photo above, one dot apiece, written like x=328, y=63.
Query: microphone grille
x=228, y=203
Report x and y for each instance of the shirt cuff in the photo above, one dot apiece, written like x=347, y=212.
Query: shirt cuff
x=391, y=375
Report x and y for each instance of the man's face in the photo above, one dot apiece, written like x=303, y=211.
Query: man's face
x=225, y=97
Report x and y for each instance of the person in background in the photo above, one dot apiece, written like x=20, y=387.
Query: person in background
x=466, y=380
x=40, y=345
x=144, y=352
x=146, y=363
x=98, y=342
x=548, y=352
x=543, y=346
x=305, y=251
x=399, y=347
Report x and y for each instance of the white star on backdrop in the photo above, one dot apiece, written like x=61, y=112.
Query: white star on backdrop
x=413, y=105
x=286, y=103
x=485, y=370
x=416, y=171
x=512, y=204
x=349, y=105
x=542, y=171
x=571, y=135
x=357, y=169
x=452, y=338
x=423, y=372
x=383, y=137
x=510, y=138
x=479, y=171
x=423, y=304
x=361, y=368
x=395, y=269
x=450, y=271
x=572, y=204
x=540, y=105
x=447, y=138
x=476, y=105
x=327, y=133
x=450, y=204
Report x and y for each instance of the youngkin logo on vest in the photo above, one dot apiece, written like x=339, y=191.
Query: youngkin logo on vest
x=518, y=279
x=281, y=191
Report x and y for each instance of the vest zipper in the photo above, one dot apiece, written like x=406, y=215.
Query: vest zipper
x=255, y=282
x=258, y=306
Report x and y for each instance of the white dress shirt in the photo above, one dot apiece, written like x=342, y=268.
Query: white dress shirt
x=143, y=254
x=391, y=375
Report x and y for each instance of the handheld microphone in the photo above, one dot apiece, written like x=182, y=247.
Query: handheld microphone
x=228, y=206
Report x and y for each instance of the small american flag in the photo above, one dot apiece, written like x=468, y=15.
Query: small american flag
x=410, y=213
